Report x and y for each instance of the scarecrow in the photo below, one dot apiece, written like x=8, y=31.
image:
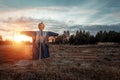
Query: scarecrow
x=40, y=41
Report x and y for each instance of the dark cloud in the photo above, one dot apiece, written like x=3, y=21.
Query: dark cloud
x=95, y=28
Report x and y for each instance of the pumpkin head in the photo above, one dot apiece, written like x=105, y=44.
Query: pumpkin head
x=41, y=26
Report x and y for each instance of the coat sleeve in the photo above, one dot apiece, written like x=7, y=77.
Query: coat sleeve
x=52, y=34
x=29, y=33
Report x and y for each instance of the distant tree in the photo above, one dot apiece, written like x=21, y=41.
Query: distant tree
x=92, y=40
x=82, y=37
x=59, y=40
x=64, y=38
x=110, y=36
x=99, y=36
x=71, y=39
x=105, y=36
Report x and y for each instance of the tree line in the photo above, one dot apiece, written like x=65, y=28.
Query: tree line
x=82, y=37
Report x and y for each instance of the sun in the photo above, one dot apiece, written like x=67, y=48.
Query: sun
x=20, y=38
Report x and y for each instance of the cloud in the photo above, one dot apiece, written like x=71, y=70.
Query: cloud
x=16, y=24
x=64, y=14
x=70, y=15
x=59, y=15
x=93, y=29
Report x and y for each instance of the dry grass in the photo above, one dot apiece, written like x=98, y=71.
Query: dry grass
x=66, y=63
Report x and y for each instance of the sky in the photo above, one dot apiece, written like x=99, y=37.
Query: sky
x=59, y=15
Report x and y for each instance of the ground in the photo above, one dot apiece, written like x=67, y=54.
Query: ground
x=67, y=62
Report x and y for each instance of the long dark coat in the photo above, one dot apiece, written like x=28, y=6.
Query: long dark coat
x=40, y=43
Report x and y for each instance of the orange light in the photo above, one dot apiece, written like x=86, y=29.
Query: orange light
x=20, y=38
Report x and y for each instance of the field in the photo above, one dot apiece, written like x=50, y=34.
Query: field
x=84, y=62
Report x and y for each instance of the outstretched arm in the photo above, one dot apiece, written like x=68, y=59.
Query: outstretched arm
x=52, y=34
x=29, y=33
x=33, y=33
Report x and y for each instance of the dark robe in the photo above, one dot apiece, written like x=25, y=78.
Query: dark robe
x=40, y=45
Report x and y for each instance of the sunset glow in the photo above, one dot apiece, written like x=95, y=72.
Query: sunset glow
x=20, y=38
